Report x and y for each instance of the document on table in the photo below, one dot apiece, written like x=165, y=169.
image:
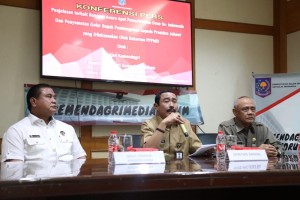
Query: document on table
x=200, y=151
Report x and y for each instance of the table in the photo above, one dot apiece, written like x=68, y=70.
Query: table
x=177, y=179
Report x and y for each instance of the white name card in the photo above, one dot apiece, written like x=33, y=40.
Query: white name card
x=139, y=157
x=139, y=169
x=247, y=155
x=248, y=166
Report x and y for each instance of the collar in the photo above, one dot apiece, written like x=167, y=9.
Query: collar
x=34, y=119
x=158, y=119
x=240, y=128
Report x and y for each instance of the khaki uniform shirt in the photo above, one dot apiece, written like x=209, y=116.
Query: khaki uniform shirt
x=256, y=135
x=173, y=139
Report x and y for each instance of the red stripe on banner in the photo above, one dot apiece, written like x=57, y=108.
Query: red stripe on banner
x=277, y=102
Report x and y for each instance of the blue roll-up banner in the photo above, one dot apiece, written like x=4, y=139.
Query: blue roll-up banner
x=99, y=107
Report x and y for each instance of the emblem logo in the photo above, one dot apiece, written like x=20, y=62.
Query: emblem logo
x=178, y=145
x=122, y=2
x=262, y=87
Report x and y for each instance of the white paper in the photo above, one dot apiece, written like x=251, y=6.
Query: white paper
x=200, y=151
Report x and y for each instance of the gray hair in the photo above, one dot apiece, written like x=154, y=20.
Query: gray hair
x=241, y=97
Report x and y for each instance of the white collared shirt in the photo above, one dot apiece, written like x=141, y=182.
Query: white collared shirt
x=32, y=139
x=38, y=169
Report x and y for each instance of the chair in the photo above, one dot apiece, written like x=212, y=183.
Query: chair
x=207, y=138
x=136, y=139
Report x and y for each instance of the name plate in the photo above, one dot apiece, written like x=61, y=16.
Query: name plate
x=248, y=166
x=247, y=155
x=139, y=157
x=139, y=169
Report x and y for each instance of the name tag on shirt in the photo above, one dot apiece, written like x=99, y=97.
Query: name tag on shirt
x=34, y=136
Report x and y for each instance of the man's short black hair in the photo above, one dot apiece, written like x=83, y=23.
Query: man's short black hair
x=35, y=92
x=157, y=96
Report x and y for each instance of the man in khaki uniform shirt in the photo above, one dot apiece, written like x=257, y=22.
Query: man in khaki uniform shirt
x=163, y=131
x=248, y=131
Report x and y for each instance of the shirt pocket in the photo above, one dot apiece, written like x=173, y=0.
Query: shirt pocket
x=35, y=141
x=35, y=145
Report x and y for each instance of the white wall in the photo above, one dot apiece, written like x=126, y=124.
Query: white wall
x=19, y=61
x=243, y=11
x=224, y=60
x=224, y=66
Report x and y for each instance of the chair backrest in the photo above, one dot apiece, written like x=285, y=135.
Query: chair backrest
x=207, y=138
x=136, y=139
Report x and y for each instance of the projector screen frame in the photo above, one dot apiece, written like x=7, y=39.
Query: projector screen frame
x=136, y=82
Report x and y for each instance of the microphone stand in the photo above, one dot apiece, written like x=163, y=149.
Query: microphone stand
x=200, y=128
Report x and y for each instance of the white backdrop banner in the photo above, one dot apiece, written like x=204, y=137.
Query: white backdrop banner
x=99, y=107
x=277, y=99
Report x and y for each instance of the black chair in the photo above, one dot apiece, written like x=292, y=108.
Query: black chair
x=136, y=139
x=207, y=138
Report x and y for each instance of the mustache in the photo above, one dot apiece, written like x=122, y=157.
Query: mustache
x=171, y=110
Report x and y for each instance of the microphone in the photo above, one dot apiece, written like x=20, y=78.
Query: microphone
x=186, y=134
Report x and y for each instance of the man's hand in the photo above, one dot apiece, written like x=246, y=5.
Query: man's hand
x=270, y=150
x=173, y=118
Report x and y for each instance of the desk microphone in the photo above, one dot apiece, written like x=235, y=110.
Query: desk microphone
x=186, y=134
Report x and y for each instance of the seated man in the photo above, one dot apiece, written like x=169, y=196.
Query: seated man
x=40, y=136
x=164, y=132
x=38, y=169
x=249, y=132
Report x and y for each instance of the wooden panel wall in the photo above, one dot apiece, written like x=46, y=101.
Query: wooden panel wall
x=90, y=143
x=292, y=16
x=31, y=4
x=280, y=37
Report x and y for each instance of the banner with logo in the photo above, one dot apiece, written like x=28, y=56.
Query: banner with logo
x=99, y=107
x=277, y=99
